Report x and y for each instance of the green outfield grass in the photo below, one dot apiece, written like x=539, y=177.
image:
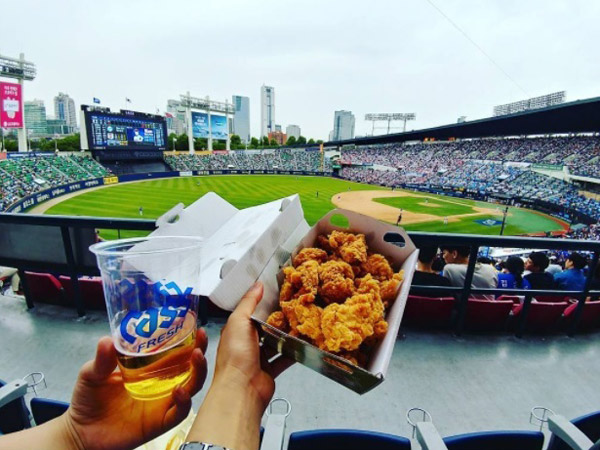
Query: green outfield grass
x=436, y=206
x=158, y=196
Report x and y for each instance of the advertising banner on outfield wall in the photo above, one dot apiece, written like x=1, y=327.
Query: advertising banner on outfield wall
x=11, y=112
x=42, y=196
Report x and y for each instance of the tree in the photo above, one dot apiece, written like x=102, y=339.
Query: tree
x=273, y=143
x=200, y=144
x=170, y=141
x=311, y=141
x=219, y=145
x=11, y=145
x=69, y=143
x=290, y=141
x=319, y=141
x=182, y=142
x=235, y=142
x=301, y=140
x=254, y=143
x=265, y=141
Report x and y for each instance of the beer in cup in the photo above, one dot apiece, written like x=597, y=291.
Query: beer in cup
x=150, y=287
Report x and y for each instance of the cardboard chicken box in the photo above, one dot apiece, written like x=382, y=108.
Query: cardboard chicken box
x=241, y=246
x=388, y=240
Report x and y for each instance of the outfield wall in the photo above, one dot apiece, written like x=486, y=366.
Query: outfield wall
x=48, y=194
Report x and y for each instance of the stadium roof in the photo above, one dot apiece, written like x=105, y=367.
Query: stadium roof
x=573, y=117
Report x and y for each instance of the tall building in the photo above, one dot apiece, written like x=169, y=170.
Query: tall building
x=292, y=130
x=343, y=125
x=35, y=117
x=58, y=126
x=278, y=128
x=64, y=109
x=177, y=123
x=241, y=118
x=267, y=110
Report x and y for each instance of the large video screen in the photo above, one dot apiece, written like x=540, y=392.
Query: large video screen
x=127, y=130
x=200, y=128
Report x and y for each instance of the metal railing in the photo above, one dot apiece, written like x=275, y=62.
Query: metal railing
x=74, y=234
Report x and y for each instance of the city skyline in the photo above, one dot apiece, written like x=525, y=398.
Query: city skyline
x=407, y=56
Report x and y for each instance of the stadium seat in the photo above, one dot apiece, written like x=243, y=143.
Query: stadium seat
x=551, y=298
x=14, y=416
x=513, y=298
x=432, y=312
x=44, y=409
x=45, y=288
x=589, y=425
x=496, y=440
x=91, y=291
x=487, y=315
x=345, y=440
x=590, y=317
x=542, y=316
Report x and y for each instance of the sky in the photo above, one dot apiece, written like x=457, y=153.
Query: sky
x=370, y=56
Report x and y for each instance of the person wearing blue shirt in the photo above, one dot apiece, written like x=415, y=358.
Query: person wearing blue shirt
x=572, y=278
x=512, y=276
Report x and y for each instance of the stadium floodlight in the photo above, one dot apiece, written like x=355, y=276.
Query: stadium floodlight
x=555, y=98
x=389, y=118
x=17, y=68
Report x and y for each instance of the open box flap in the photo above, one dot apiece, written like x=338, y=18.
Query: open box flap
x=237, y=254
x=202, y=218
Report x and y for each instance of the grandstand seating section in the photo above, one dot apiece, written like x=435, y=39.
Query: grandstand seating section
x=488, y=166
x=25, y=176
x=283, y=159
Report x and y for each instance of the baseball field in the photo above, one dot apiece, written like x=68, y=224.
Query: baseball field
x=420, y=211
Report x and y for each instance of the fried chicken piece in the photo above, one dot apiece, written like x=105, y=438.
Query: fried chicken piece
x=336, y=281
x=345, y=326
x=287, y=292
x=389, y=288
x=304, y=318
x=304, y=279
x=378, y=266
x=310, y=254
x=277, y=320
x=323, y=243
x=351, y=247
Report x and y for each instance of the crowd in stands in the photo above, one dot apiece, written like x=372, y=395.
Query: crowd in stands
x=486, y=166
x=25, y=176
x=283, y=159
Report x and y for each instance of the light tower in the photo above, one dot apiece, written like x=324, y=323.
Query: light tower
x=20, y=70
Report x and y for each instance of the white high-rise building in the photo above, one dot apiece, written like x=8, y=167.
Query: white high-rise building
x=267, y=110
x=343, y=125
x=292, y=130
x=178, y=123
x=64, y=109
x=241, y=118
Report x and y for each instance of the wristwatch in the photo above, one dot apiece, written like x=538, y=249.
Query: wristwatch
x=200, y=446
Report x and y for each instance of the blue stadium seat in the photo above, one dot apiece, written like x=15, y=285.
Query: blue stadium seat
x=345, y=440
x=589, y=425
x=14, y=416
x=496, y=440
x=44, y=409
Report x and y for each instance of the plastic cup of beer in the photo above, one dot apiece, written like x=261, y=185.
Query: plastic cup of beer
x=150, y=288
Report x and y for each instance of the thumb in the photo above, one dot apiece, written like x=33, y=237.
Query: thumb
x=103, y=364
x=249, y=301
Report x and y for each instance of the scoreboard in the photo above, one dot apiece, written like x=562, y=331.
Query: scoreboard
x=125, y=130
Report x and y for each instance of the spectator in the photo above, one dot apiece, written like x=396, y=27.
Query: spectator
x=12, y=274
x=425, y=275
x=554, y=268
x=572, y=278
x=538, y=278
x=457, y=258
x=512, y=275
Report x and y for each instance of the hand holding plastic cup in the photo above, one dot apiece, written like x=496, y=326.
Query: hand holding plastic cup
x=150, y=288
